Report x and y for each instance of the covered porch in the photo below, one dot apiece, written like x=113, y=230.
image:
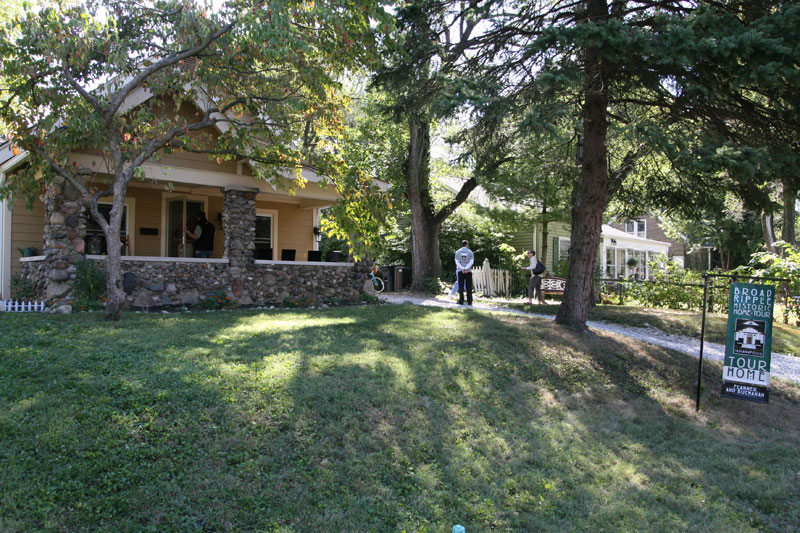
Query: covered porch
x=265, y=248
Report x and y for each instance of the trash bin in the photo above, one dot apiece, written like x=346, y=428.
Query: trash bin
x=398, y=278
x=387, y=273
x=406, y=277
x=402, y=277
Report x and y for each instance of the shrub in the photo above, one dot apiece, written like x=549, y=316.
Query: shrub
x=369, y=298
x=300, y=301
x=671, y=287
x=785, y=264
x=435, y=286
x=89, y=287
x=22, y=288
x=218, y=300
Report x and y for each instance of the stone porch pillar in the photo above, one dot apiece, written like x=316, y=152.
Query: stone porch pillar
x=239, y=225
x=64, y=232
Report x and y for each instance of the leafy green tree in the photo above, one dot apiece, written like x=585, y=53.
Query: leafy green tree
x=430, y=75
x=373, y=146
x=625, y=64
x=540, y=177
x=733, y=122
x=783, y=264
x=733, y=231
x=265, y=74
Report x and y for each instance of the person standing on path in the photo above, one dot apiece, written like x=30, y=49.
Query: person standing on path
x=203, y=236
x=535, y=285
x=464, y=260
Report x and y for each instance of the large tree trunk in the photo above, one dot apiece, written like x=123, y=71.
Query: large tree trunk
x=592, y=190
x=425, y=260
x=789, y=213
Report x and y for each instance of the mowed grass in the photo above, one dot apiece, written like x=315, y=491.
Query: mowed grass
x=378, y=418
x=785, y=337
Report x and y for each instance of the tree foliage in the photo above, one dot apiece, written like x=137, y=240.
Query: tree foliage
x=250, y=81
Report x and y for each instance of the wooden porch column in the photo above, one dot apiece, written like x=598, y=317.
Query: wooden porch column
x=64, y=246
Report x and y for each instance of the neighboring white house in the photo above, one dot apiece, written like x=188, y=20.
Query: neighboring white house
x=618, y=248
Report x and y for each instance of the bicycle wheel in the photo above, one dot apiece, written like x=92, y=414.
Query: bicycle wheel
x=378, y=284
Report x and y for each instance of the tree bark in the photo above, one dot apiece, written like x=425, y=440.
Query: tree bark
x=425, y=259
x=592, y=189
x=115, y=296
x=768, y=231
x=789, y=212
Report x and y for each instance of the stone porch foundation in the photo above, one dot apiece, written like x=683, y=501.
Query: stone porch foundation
x=168, y=282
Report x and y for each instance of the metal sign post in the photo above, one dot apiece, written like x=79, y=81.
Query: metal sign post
x=702, y=339
x=749, y=342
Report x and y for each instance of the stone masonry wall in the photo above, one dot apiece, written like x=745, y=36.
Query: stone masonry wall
x=157, y=284
x=36, y=274
x=239, y=221
x=65, y=228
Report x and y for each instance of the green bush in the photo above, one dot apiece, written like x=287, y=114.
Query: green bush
x=89, y=287
x=435, y=286
x=785, y=264
x=672, y=287
x=218, y=300
x=22, y=288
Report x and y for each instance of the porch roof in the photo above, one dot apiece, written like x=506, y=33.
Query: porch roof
x=612, y=233
x=220, y=260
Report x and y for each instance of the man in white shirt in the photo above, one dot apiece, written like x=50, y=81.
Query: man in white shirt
x=464, y=260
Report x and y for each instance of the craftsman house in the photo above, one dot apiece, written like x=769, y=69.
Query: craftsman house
x=265, y=245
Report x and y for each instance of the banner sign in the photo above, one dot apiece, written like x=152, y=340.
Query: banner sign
x=748, y=350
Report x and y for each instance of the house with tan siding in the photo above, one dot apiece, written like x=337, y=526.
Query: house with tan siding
x=265, y=245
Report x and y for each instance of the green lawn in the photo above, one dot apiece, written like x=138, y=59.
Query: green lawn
x=376, y=418
x=785, y=339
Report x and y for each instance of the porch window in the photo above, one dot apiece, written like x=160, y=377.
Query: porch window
x=95, y=238
x=627, y=263
x=263, y=239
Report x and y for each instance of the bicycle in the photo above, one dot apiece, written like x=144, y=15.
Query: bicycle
x=377, y=282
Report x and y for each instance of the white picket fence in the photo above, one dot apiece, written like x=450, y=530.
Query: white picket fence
x=491, y=281
x=16, y=306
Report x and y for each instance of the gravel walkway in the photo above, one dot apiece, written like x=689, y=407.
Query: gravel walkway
x=782, y=366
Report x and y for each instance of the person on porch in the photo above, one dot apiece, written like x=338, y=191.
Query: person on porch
x=203, y=236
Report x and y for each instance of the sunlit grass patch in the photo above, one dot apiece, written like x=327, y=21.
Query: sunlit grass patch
x=376, y=418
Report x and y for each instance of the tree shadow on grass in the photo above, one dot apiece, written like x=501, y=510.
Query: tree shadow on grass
x=369, y=419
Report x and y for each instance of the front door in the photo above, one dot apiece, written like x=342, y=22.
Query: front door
x=181, y=217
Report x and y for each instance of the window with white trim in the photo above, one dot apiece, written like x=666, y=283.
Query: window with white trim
x=263, y=238
x=563, y=249
x=637, y=228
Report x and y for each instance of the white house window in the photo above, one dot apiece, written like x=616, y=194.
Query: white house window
x=629, y=263
x=563, y=249
x=637, y=228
